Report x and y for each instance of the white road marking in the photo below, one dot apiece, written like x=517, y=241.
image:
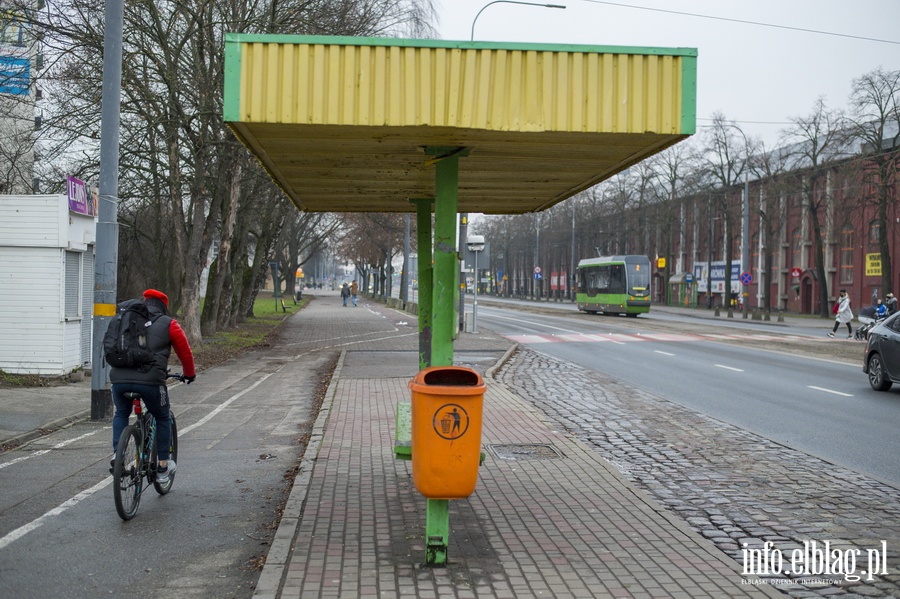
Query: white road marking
x=57, y=446
x=665, y=353
x=729, y=368
x=37, y=522
x=833, y=392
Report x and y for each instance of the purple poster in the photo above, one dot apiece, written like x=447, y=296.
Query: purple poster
x=79, y=200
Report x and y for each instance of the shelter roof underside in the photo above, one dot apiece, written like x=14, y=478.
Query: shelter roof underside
x=350, y=127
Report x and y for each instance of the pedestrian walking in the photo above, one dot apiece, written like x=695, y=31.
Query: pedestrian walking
x=843, y=315
x=880, y=310
x=354, y=289
x=345, y=293
x=890, y=303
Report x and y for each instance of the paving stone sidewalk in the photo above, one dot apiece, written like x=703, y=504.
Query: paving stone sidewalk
x=563, y=523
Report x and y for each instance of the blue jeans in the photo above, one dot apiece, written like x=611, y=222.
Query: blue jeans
x=353, y=297
x=156, y=398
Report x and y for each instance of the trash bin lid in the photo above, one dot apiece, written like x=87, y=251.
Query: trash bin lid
x=465, y=379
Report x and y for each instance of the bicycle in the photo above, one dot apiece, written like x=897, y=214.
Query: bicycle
x=136, y=457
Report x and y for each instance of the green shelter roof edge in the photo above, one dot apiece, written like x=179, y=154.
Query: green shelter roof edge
x=262, y=38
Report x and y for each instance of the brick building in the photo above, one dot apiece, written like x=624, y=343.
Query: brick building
x=856, y=208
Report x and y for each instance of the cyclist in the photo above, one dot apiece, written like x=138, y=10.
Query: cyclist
x=163, y=334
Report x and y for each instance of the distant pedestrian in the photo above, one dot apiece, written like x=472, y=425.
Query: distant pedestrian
x=354, y=289
x=890, y=302
x=843, y=315
x=345, y=293
x=880, y=310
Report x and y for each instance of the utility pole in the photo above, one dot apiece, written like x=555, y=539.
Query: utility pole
x=463, y=235
x=745, y=247
x=709, y=254
x=107, y=247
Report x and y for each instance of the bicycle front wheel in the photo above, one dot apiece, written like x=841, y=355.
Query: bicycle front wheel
x=127, y=478
x=162, y=489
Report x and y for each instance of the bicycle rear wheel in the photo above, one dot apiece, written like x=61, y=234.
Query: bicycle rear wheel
x=173, y=455
x=127, y=477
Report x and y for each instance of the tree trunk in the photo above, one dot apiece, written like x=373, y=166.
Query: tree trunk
x=219, y=270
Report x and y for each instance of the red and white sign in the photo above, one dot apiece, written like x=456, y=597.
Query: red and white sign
x=795, y=272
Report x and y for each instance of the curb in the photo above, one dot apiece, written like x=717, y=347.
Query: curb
x=56, y=425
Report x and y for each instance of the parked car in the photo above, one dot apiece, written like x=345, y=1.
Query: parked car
x=882, y=358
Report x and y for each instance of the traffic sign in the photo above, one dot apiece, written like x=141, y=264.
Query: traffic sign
x=746, y=278
x=796, y=272
x=537, y=270
x=688, y=278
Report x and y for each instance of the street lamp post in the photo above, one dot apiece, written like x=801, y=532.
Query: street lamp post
x=509, y=2
x=475, y=244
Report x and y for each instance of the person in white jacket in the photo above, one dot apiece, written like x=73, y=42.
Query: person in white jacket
x=844, y=315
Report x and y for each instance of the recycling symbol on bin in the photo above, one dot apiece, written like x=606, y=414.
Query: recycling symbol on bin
x=451, y=421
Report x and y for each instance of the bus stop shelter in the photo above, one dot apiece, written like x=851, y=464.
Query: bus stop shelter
x=345, y=124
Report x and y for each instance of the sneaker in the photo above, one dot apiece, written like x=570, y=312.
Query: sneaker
x=849, y=336
x=112, y=462
x=831, y=334
x=162, y=475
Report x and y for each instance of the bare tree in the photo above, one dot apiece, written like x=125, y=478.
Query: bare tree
x=875, y=123
x=816, y=140
x=175, y=147
x=769, y=166
x=371, y=240
x=726, y=159
x=676, y=173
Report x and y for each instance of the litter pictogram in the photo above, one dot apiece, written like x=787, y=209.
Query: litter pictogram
x=451, y=421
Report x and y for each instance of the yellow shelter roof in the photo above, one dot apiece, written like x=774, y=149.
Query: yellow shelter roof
x=348, y=124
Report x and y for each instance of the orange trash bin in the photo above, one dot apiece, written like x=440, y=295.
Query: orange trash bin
x=447, y=405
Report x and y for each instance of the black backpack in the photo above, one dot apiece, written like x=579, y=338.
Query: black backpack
x=125, y=342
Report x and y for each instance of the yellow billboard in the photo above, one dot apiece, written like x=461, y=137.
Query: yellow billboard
x=873, y=265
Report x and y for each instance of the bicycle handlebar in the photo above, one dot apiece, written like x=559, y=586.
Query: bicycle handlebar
x=180, y=376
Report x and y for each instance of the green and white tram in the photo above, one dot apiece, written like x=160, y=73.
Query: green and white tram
x=614, y=285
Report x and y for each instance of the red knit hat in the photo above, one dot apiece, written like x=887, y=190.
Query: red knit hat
x=154, y=294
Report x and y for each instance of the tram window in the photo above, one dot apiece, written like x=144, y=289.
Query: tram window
x=616, y=279
x=639, y=277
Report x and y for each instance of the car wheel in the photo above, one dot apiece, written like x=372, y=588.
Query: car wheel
x=877, y=377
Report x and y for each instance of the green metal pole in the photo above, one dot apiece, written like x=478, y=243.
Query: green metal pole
x=446, y=265
x=426, y=278
x=445, y=260
x=437, y=531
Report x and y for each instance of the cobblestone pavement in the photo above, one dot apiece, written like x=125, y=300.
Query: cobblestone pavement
x=734, y=487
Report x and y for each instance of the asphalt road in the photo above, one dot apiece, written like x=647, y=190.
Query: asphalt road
x=823, y=407
x=239, y=439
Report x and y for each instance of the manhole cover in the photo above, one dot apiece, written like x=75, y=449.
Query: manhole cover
x=525, y=452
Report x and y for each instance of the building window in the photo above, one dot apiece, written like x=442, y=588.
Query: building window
x=847, y=256
x=73, y=284
x=796, y=247
x=874, y=234
x=12, y=30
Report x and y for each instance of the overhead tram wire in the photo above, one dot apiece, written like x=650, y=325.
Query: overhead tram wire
x=745, y=22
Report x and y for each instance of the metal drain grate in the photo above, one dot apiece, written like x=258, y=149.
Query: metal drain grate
x=525, y=452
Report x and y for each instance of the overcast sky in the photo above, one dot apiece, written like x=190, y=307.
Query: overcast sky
x=757, y=75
